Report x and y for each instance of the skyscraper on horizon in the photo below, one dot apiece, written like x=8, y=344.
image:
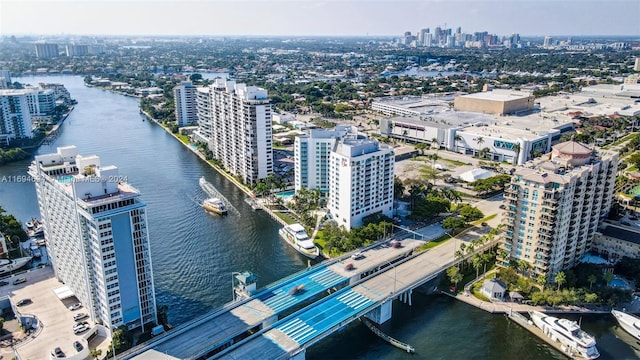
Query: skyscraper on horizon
x=97, y=237
x=44, y=50
x=235, y=121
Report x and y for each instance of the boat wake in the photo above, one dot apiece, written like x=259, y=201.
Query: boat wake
x=212, y=192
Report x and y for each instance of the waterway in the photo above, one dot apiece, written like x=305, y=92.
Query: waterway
x=195, y=253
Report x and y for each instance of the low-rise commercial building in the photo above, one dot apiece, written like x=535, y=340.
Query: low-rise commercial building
x=613, y=242
x=498, y=102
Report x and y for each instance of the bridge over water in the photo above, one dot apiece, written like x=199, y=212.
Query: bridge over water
x=276, y=323
x=217, y=330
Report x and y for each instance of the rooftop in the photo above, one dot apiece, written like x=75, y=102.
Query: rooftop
x=498, y=95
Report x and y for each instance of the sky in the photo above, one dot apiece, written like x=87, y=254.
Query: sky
x=310, y=17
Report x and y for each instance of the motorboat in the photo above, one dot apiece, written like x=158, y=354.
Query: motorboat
x=568, y=333
x=215, y=205
x=628, y=322
x=296, y=237
x=8, y=265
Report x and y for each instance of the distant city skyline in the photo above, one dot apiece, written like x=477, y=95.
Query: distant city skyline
x=308, y=17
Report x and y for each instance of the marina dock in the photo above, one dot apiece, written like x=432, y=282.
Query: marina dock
x=525, y=323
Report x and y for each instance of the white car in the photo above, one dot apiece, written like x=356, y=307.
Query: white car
x=75, y=306
x=80, y=329
x=357, y=256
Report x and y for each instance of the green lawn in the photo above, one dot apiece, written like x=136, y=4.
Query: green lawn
x=453, y=162
x=183, y=138
x=284, y=216
x=626, y=138
x=484, y=219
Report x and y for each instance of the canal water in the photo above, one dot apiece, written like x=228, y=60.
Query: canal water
x=194, y=253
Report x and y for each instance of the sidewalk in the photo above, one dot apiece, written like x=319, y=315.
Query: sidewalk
x=501, y=307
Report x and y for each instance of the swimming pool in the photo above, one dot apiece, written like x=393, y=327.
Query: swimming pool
x=286, y=194
x=618, y=282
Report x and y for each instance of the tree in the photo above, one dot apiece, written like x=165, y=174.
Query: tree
x=453, y=223
x=457, y=139
x=591, y=279
x=479, y=140
x=121, y=338
x=420, y=147
x=541, y=280
x=477, y=262
x=516, y=150
x=398, y=188
x=95, y=353
x=454, y=275
x=470, y=213
x=163, y=318
x=561, y=278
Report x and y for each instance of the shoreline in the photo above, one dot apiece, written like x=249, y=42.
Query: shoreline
x=221, y=171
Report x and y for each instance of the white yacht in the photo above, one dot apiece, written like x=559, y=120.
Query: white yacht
x=295, y=236
x=8, y=265
x=568, y=333
x=628, y=322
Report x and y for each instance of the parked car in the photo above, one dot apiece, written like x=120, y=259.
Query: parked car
x=75, y=306
x=19, y=281
x=80, y=324
x=78, y=346
x=357, y=256
x=57, y=352
x=3, y=283
x=80, y=316
x=80, y=328
x=24, y=302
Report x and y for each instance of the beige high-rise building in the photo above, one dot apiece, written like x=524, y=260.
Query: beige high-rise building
x=235, y=121
x=553, y=206
x=636, y=66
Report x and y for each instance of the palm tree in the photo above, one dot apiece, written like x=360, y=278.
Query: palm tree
x=434, y=143
x=516, y=150
x=479, y=140
x=477, y=261
x=457, y=139
x=95, y=353
x=398, y=187
x=542, y=281
x=561, y=278
x=524, y=266
x=591, y=279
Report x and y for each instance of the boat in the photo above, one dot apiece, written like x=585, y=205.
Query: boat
x=568, y=333
x=215, y=205
x=295, y=236
x=628, y=322
x=253, y=203
x=8, y=265
x=35, y=251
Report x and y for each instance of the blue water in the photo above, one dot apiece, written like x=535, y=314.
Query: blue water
x=286, y=194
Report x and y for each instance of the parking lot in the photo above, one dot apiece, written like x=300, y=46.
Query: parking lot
x=56, y=320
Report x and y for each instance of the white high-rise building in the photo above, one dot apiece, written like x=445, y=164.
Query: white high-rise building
x=553, y=207
x=97, y=236
x=15, y=118
x=235, y=121
x=185, y=102
x=311, y=156
x=360, y=180
x=44, y=50
x=548, y=42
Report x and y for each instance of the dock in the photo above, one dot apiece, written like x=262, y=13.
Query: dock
x=397, y=343
x=524, y=322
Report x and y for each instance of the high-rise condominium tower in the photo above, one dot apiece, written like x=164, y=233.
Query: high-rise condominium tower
x=97, y=236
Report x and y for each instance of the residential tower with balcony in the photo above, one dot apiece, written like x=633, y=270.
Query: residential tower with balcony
x=97, y=236
x=553, y=206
